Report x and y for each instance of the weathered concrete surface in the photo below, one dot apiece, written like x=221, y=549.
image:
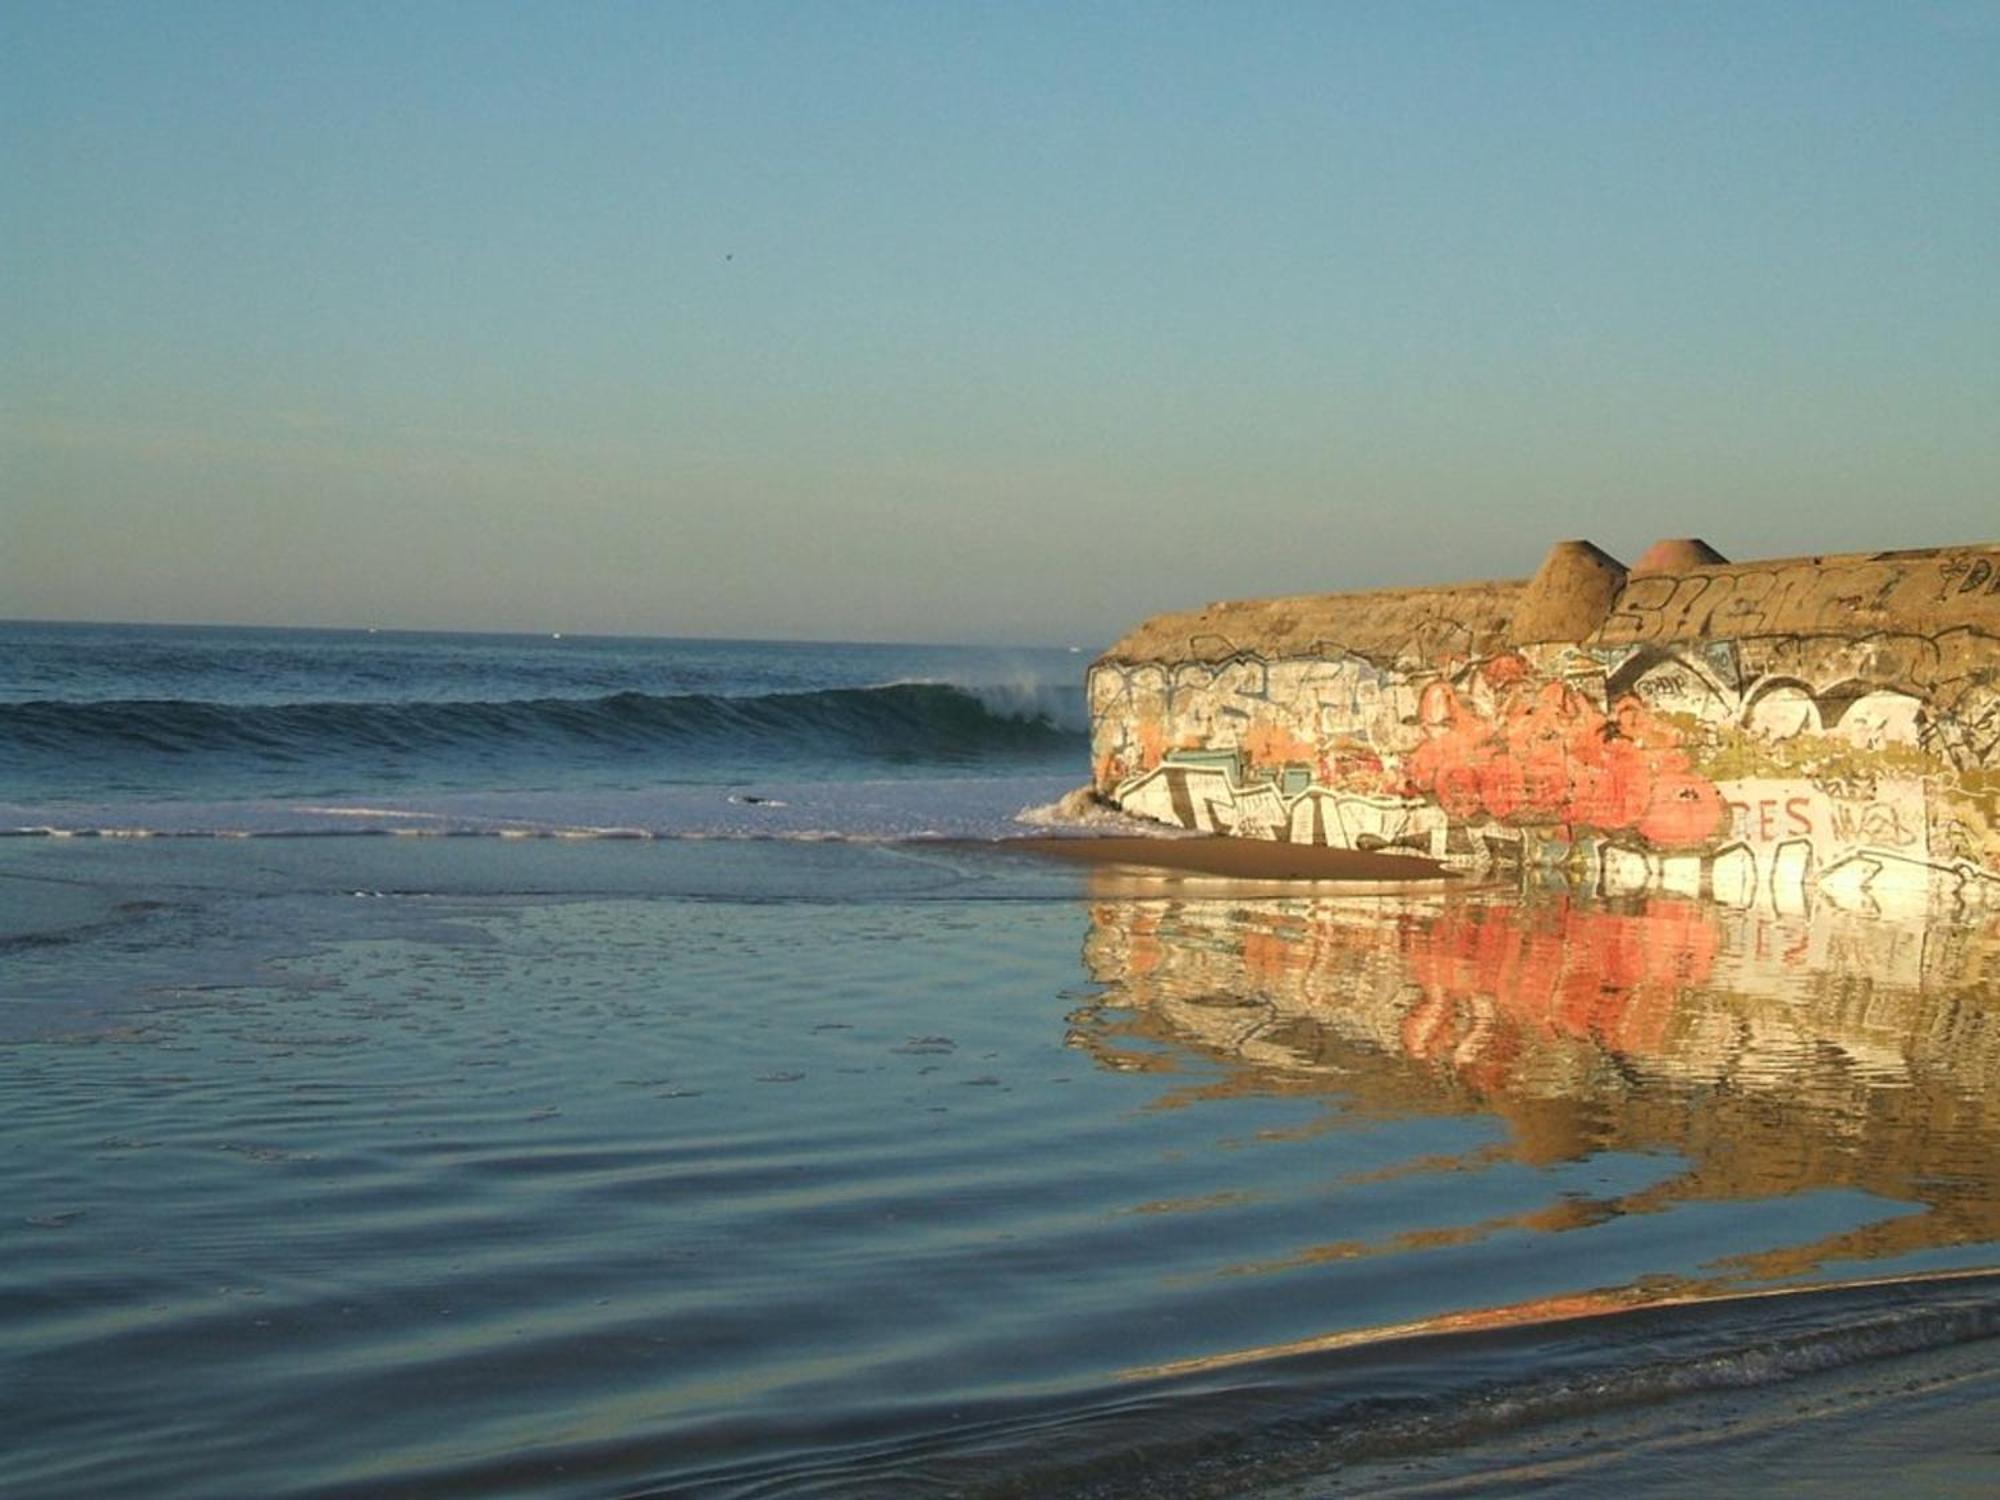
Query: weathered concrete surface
x=1385, y=625
x=1755, y=732
x=1573, y=590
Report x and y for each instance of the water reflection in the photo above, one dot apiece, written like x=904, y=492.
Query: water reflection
x=1775, y=1054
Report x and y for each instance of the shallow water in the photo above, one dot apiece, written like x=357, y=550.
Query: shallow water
x=342, y=1166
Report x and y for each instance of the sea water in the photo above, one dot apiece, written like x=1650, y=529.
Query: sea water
x=485, y=1066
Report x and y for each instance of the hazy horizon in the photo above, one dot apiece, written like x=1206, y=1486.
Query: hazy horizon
x=919, y=323
x=527, y=633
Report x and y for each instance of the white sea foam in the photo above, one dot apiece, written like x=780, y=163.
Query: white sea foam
x=1027, y=697
x=885, y=809
x=1081, y=813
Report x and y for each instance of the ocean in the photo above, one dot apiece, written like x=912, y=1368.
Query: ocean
x=528, y=1066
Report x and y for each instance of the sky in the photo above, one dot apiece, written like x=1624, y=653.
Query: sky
x=982, y=322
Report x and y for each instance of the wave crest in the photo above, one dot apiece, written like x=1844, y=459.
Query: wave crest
x=897, y=721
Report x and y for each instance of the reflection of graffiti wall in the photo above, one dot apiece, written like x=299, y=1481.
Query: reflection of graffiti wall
x=1775, y=1053
x=1761, y=734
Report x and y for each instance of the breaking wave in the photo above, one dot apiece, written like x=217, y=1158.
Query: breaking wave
x=914, y=721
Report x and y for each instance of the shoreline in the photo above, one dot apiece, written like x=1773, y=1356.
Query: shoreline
x=1237, y=858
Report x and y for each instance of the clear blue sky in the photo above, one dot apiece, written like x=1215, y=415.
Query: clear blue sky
x=944, y=321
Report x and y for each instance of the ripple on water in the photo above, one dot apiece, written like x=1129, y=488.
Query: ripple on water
x=790, y=1196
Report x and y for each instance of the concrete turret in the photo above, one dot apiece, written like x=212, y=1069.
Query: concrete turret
x=1677, y=555
x=1570, y=595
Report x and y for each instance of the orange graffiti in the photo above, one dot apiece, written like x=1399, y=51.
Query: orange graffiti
x=1270, y=744
x=1547, y=755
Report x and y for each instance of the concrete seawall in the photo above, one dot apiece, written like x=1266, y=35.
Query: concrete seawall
x=1764, y=733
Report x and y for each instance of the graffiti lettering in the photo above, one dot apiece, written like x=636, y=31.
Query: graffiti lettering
x=1968, y=576
x=1768, y=819
x=1877, y=823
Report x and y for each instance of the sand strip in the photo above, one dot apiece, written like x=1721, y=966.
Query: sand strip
x=1239, y=859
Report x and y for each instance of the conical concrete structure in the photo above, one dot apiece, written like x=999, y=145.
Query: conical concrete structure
x=1677, y=555
x=1570, y=595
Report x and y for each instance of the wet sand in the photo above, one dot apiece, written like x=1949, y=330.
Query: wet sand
x=1237, y=859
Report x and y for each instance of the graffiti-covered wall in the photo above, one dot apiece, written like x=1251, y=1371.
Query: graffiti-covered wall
x=1755, y=733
